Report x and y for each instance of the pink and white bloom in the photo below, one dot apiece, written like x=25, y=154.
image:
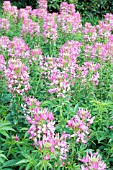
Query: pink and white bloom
x=93, y=162
x=18, y=77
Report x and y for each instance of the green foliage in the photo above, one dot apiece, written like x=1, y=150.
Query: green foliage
x=96, y=8
x=4, y=127
x=86, y=8
x=23, y=4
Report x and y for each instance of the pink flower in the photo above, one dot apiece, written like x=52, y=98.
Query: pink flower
x=18, y=49
x=93, y=161
x=43, y=4
x=47, y=157
x=111, y=127
x=42, y=132
x=6, y=6
x=68, y=19
x=23, y=14
x=80, y=124
x=16, y=138
x=2, y=63
x=10, y=10
x=17, y=76
x=4, y=41
x=4, y=24
x=61, y=71
x=36, y=54
x=50, y=28
x=30, y=27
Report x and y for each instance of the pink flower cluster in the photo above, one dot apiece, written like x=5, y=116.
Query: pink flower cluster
x=67, y=8
x=80, y=124
x=68, y=19
x=100, y=32
x=23, y=14
x=41, y=12
x=69, y=53
x=60, y=82
x=90, y=32
x=10, y=10
x=18, y=49
x=42, y=4
x=17, y=75
x=28, y=9
x=89, y=72
x=50, y=27
x=4, y=24
x=103, y=30
x=61, y=71
x=32, y=103
x=14, y=12
x=30, y=27
x=36, y=54
x=34, y=13
x=4, y=42
x=100, y=51
x=108, y=18
x=6, y=6
x=42, y=131
x=93, y=162
x=2, y=63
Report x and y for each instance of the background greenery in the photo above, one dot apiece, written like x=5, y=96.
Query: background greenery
x=87, y=8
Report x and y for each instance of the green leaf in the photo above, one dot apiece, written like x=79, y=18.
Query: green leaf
x=76, y=108
x=7, y=128
x=10, y=163
x=7, y=169
x=23, y=161
x=2, y=124
x=3, y=156
x=5, y=134
x=41, y=162
x=50, y=166
x=28, y=167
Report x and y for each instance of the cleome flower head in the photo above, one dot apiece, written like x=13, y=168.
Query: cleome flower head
x=93, y=162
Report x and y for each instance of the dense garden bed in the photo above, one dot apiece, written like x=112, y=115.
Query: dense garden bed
x=56, y=90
